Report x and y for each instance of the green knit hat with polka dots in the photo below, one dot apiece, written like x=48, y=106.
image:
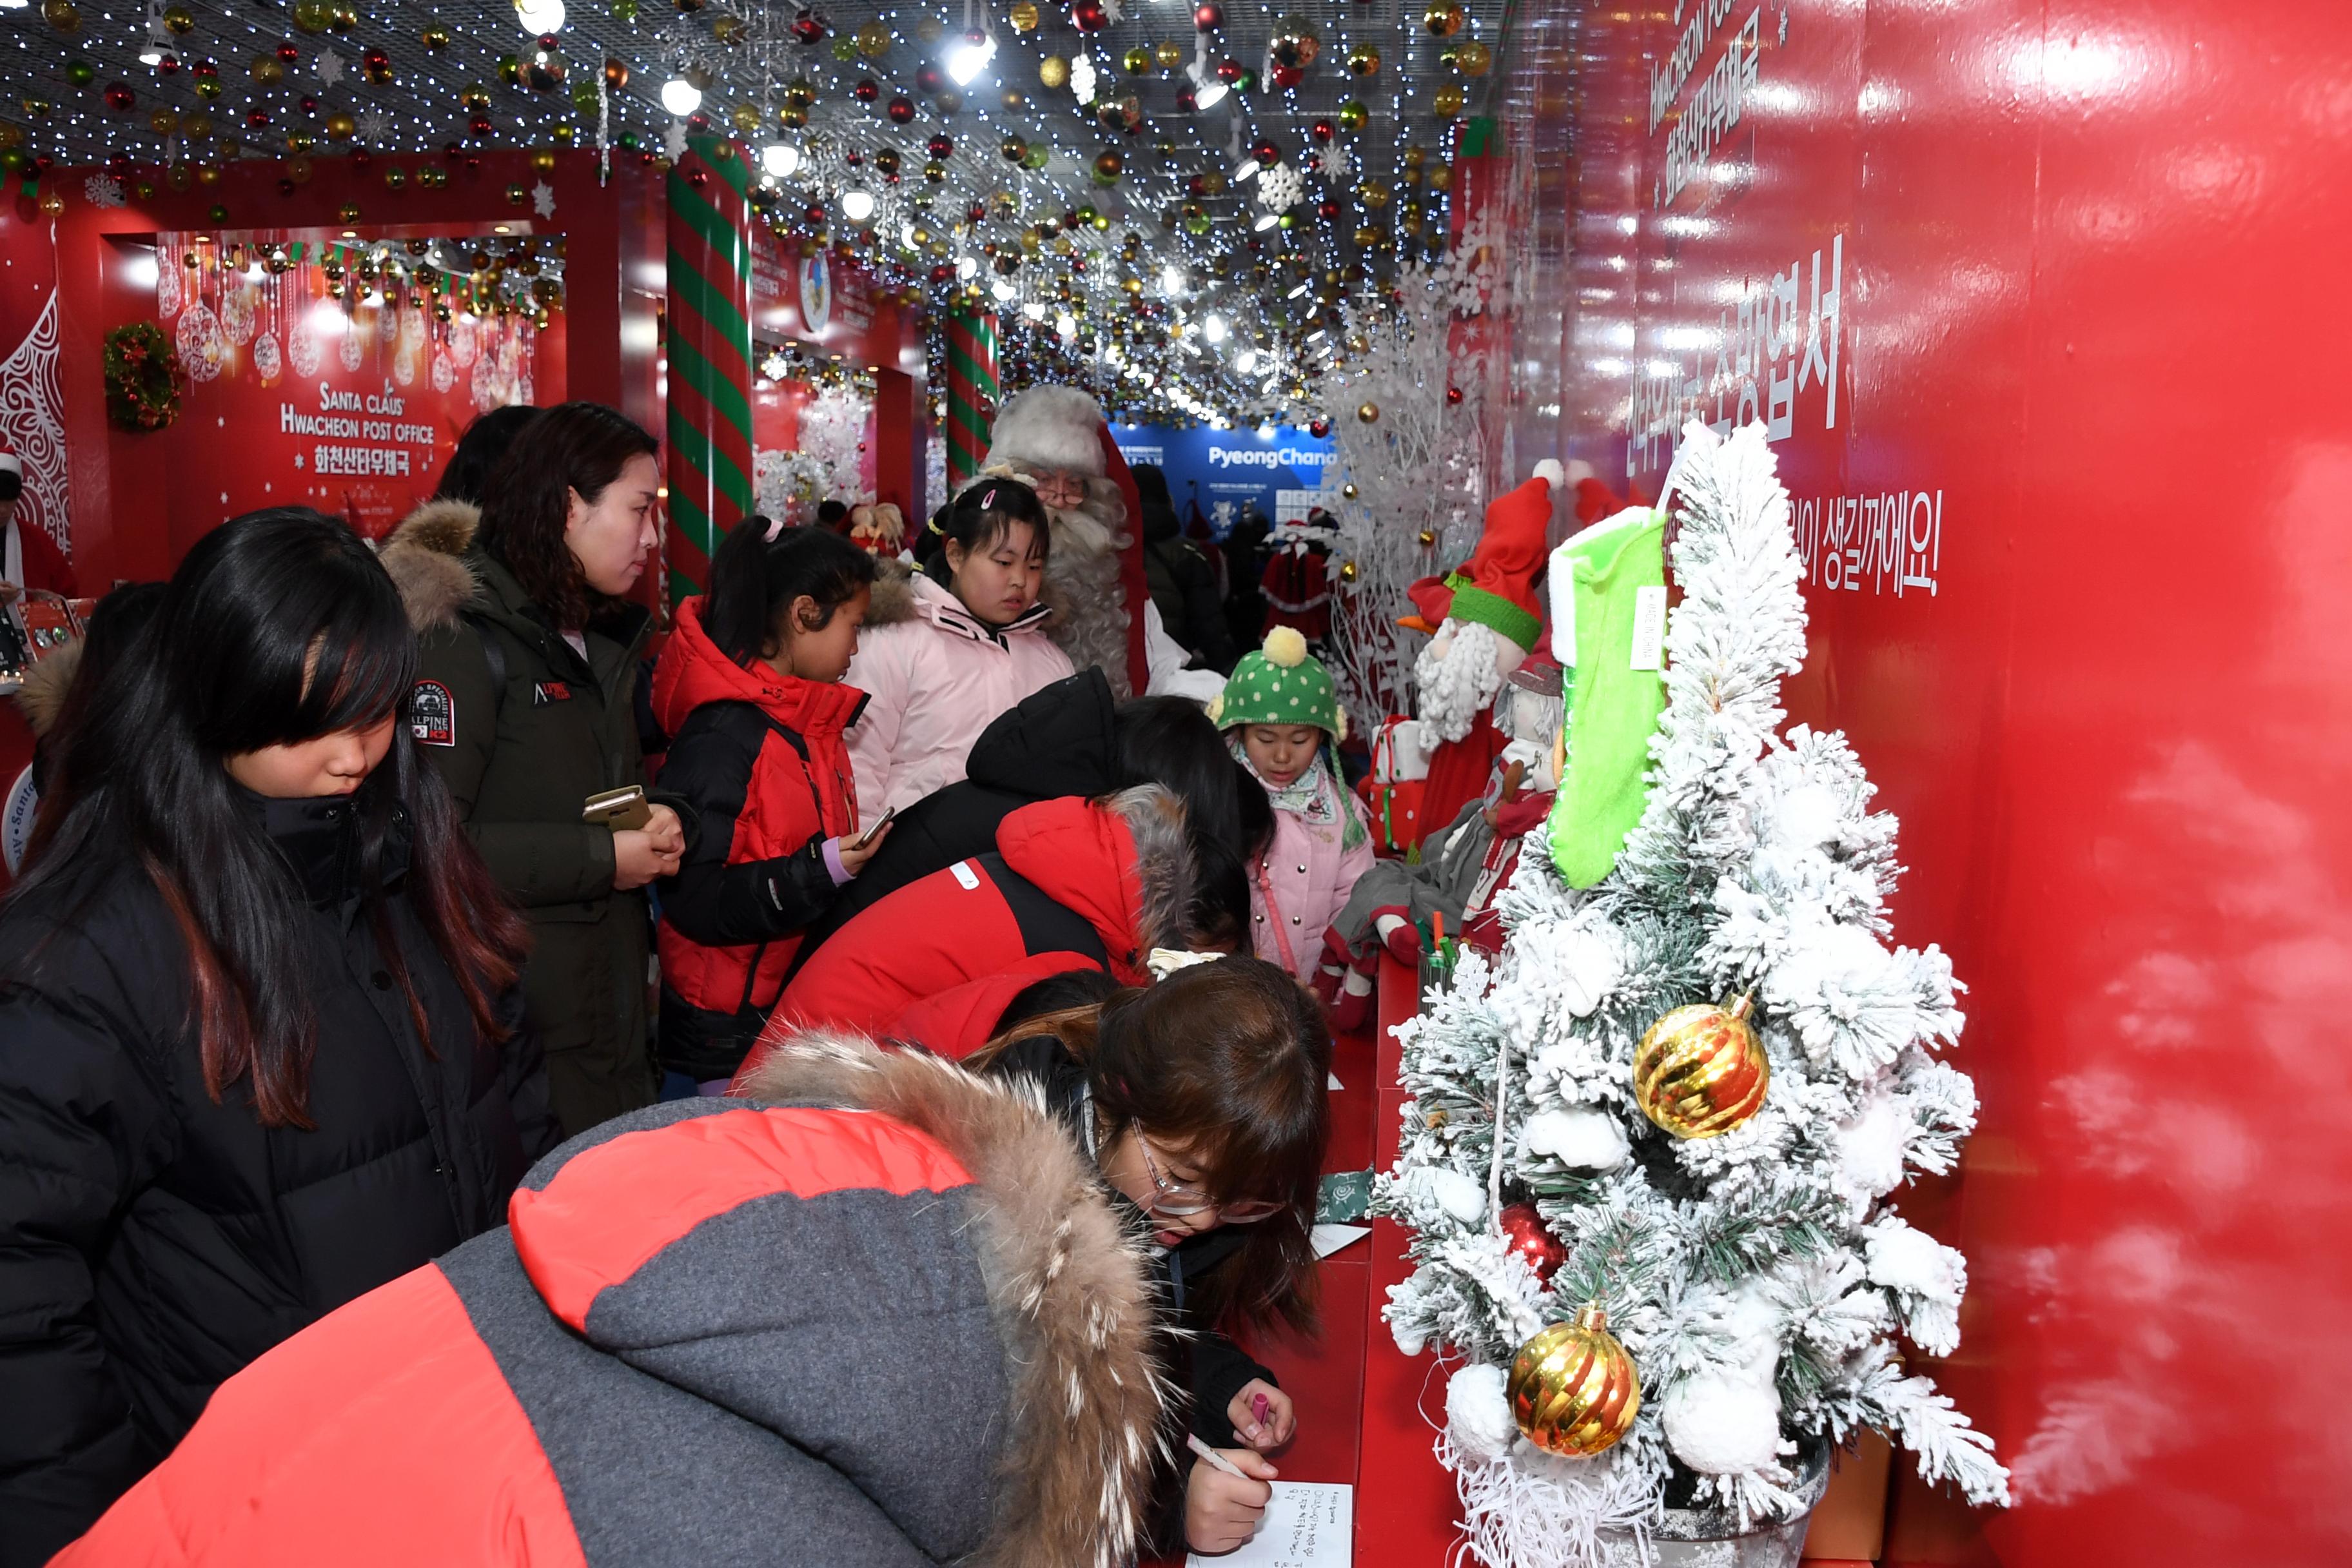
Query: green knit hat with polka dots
x=1280, y=684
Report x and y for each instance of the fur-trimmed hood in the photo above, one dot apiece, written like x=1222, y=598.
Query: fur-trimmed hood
x=426, y=556
x=42, y=698
x=1123, y=861
x=1068, y=1290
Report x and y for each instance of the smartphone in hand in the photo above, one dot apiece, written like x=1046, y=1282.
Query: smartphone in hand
x=873, y=830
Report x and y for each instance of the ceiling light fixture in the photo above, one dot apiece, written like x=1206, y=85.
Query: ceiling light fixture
x=778, y=158
x=680, y=97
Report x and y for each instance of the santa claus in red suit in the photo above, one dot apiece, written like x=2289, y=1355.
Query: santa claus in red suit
x=30, y=558
x=1486, y=619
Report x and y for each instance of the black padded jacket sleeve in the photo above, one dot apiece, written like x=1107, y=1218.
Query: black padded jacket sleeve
x=84, y=1131
x=709, y=771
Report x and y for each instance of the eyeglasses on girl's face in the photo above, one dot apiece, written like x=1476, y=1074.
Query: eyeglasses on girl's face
x=1180, y=1200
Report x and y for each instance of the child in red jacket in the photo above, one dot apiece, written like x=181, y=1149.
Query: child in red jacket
x=750, y=689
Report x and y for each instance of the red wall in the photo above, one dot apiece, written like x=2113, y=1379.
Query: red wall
x=2087, y=249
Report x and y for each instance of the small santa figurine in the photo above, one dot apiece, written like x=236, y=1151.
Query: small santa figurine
x=29, y=558
x=1486, y=619
x=878, y=528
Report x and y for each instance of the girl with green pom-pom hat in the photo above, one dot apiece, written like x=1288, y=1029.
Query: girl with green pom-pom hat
x=1282, y=716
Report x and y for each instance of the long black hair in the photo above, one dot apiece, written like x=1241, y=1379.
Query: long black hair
x=572, y=446
x=1170, y=741
x=278, y=627
x=754, y=581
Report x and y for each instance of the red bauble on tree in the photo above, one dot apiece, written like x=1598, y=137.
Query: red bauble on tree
x=1537, y=1247
x=1209, y=17
x=1089, y=16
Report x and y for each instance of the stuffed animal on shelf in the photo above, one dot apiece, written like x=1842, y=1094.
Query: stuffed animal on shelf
x=878, y=528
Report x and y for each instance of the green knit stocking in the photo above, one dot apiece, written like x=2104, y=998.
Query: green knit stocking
x=1619, y=690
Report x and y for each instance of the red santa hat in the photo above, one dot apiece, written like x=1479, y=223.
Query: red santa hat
x=1496, y=587
x=1056, y=428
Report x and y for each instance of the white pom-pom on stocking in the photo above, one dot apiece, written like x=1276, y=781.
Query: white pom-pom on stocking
x=1478, y=1412
x=1583, y=1137
x=1722, y=1423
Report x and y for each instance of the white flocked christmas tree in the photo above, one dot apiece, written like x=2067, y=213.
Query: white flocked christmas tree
x=1759, y=1280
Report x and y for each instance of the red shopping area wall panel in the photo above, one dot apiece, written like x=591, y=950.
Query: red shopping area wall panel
x=2039, y=297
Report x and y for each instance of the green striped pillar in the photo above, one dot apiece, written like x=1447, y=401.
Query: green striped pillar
x=971, y=391
x=710, y=429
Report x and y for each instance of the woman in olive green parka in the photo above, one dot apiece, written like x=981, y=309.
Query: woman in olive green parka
x=525, y=705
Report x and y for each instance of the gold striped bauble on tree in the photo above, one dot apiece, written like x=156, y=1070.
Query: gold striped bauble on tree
x=971, y=391
x=1700, y=1070
x=709, y=344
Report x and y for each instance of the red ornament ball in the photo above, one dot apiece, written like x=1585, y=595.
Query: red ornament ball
x=1324, y=130
x=940, y=145
x=120, y=98
x=1538, y=1248
x=808, y=27
x=929, y=79
x=1318, y=428
x=1265, y=151
x=1288, y=77
x=288, y=54
x=1089, y=16
x=866, y=90
x=1209, y=15
x=1229, y=71
x=1453, y=396
x=900, y=111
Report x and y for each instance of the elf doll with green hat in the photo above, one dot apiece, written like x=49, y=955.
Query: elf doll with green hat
x=1282, y=716
x=1486, y=620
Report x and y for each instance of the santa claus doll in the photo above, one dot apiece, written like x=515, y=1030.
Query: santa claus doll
x=1486, y=619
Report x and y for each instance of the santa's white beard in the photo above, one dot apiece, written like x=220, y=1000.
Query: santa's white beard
x=1452, y=688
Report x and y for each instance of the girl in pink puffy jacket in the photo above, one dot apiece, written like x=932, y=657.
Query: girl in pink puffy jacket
x=1283, y=718
x=949, y=648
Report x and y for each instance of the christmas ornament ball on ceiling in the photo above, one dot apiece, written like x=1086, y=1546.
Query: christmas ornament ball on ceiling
x=1053, y=72
x=1573, y=1388
x=1208, y=16
x=1137, y=61
x=1023, y=16
x=1107, y=169
x=1472, y=58
x=436, y=39
x=1700, y=1070
x=1297, y=42
x=874, y=41
x=1364, y=60
x=1443, y=19
x=1446, y=102
x=1168, y=53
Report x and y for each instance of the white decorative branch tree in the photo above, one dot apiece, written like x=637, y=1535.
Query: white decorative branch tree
x=1759, y=1278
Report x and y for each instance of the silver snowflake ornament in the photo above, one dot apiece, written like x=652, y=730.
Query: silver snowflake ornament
x=103, y=191
x=543, y=199
x=329, y=66
x=1280, y=187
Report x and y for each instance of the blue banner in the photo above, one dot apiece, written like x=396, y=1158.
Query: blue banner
x=1206, y=467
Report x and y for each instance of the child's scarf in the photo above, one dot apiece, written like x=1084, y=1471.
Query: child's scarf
x=1314, y=796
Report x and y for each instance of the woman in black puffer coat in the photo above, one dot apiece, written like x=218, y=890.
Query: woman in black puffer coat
x=256, y=994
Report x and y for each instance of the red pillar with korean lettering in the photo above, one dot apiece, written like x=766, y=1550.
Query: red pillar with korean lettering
x=709, y=423
x=971, y=391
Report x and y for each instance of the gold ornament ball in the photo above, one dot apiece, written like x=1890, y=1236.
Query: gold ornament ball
x=1024, y=17
x=1442, y=19
x=1700, y=1070
x=1373, y=194
x=1349, y=572
x=1137, y=61
x=948, y=102
x=1472, y=58
x=180, y=20
x=1414, y=156
x=1170, y=54
x=349, y=212
x=1053, y=72
x=340, y=125
x=62, y=16
x=1573, y=1388
x=745, y=118
x=395, y=178
x=434, y=38
x=1014, y=99
x=544, y=161
x=164, y=121
x=1429, y=539
x=1441, y=176
x=874, y=41
x=1446, y=102
x=1370, y=413
x=1349, y=489
x=268, y=71
x=1353, y=115
x=1364, y=60
x=51, y=202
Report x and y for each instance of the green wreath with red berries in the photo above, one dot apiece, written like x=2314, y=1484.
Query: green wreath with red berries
x=143, y=377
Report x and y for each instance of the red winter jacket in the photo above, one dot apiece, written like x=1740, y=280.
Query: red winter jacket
x=759, y=759
x=878, y=1313
x=1105, y=880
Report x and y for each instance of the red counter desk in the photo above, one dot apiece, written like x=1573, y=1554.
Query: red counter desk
x=1369, y=1415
